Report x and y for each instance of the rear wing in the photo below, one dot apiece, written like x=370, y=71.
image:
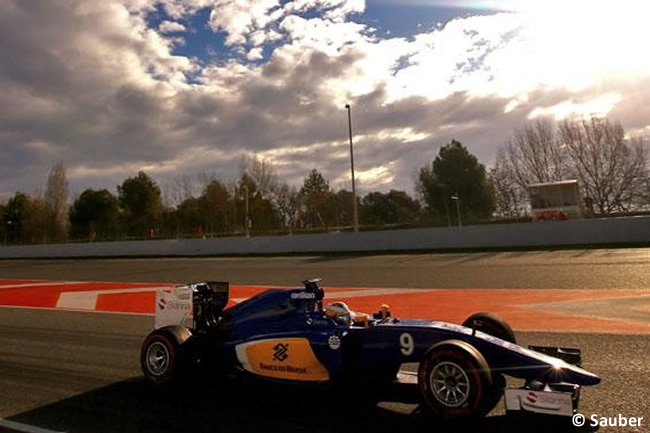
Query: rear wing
x=202, y=302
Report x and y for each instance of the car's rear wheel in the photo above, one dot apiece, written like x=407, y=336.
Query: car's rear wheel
x=163, y=355
x=455, y=380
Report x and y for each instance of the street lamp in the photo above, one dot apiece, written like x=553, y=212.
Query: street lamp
x=456, y=198
x=354, y=190
x=247, y=221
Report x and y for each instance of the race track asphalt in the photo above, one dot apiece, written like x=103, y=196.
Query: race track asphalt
x=79, y=372
x=570, y=269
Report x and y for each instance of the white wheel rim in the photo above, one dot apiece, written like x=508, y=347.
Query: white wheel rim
x=449, y=384
x=157, y=358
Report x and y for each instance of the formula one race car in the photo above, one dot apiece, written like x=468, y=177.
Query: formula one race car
x=287, y=335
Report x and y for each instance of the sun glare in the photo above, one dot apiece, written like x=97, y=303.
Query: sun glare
x=595, y=37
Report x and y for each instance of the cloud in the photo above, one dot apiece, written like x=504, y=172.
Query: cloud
x=93, y=84
x=334, y=10
x=171, y=27
x=239, y=18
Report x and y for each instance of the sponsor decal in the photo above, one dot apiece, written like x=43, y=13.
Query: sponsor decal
x=283, y=358
x=173, y=306
x=544, y=402
x=303, y=295
x=280, y=352
x=283, y=368
x=319, y=322
x=334, y=342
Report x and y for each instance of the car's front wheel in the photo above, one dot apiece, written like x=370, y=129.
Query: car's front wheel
x=455, y=380
x=163, y=353
x=497, y=327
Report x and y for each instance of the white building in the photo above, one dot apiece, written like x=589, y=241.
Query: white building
x=555, y=201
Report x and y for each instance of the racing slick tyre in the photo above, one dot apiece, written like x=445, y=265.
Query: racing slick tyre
x=497, y=327
x=164, y=355
x=455, y=380
x=491, y=324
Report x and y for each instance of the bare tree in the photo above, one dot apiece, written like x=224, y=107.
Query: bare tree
x=262, y=172
x=511, y=199
x=533, y=155
x=612, y=170
x=178, y=190
x=56, y=202
x=287, y=201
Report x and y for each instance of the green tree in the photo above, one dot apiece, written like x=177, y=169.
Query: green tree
x=345, y=208
x=141, y=204
x=319, y=200
x=25, y=219
x=395, y=207
x=455, y=172
x=3, y=224
x=189, y=217
x=15, y=217
x=94, y=214
x=261, y=210
x=216, y=204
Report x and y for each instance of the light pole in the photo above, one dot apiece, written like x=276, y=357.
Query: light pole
x=354, y=190
x=456, y=198
x=247, y=221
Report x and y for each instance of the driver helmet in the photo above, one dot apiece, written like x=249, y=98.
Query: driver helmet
x=340, y=312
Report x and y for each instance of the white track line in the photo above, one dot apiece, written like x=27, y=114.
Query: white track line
x=25, y=428
x=360, y=292
x=51, y=283
x=88, y=300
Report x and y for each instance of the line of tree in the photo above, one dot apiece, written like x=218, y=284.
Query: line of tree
x=142, y=209
x=612, y=171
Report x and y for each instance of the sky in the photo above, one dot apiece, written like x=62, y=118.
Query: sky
x=181, y=87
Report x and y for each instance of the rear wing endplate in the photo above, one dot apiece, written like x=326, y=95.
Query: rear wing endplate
x=202, y=302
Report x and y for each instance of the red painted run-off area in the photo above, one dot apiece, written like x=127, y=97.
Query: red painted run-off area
x=523, y=308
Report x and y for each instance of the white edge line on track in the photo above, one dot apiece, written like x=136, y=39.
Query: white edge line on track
x=28, y=307
x=25, y=428
x=87, y=300
x=43, y=284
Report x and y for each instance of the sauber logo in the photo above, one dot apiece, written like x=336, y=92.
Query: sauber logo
x=531, y=397
x=545, y=401
x=172, y=304
x=280, y=352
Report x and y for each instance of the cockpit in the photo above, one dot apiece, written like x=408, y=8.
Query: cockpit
x=343, y=315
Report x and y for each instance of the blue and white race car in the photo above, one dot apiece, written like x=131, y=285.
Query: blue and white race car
x=288, y=335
